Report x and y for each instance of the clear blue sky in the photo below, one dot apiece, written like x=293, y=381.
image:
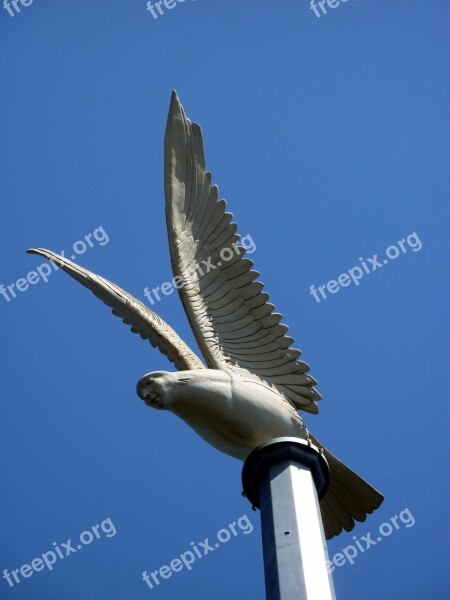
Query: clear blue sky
x=329, y=138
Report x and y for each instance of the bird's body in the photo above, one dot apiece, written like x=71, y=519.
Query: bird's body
x=255, y=383
x=231, y=413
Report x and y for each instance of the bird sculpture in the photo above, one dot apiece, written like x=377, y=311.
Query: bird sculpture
x=254, y=383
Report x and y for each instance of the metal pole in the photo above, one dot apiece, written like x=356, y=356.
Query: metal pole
x=285, y=478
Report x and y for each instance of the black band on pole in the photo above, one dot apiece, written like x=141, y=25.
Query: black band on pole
x=277, y=451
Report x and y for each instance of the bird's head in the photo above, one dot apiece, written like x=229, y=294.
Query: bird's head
x=183, y=389
x=155, y=388
x=161, y=388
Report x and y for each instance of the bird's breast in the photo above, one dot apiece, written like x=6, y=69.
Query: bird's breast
x=235, y=415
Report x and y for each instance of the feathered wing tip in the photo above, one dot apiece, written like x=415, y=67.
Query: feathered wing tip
x=142, y=320
x=348, y=498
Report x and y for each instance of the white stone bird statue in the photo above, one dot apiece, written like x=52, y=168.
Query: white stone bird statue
x=254, y=384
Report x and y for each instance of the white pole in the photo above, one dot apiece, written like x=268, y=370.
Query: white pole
x=284, y=478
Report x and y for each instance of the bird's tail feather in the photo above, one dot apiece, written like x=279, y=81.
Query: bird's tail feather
x=348, y=497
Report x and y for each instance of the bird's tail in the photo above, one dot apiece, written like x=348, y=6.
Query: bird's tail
x=348, y=497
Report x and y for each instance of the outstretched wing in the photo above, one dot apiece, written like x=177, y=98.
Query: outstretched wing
x=232, y=320
x=142, y=320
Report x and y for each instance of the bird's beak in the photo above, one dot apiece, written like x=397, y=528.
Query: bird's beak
x=141, y=385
